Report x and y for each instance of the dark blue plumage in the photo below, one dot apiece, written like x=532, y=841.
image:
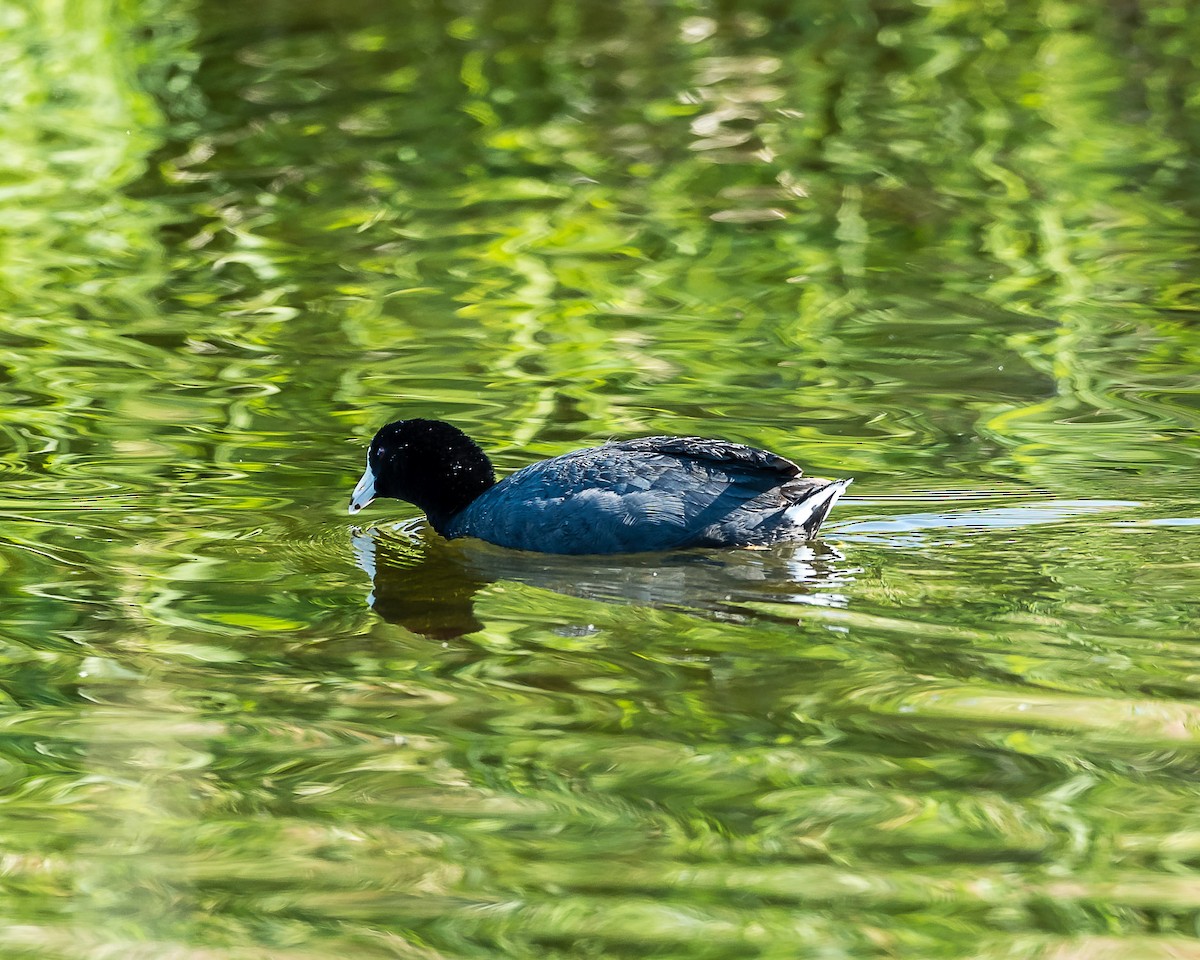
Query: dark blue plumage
x=655, y=493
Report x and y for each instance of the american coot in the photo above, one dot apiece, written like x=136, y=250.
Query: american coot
x=656, y=493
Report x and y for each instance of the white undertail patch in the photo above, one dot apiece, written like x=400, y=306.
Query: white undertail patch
x=819, y=504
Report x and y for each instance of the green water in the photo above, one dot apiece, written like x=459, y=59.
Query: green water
x=948, y=249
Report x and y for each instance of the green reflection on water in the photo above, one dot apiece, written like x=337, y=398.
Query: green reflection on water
x=949, y=250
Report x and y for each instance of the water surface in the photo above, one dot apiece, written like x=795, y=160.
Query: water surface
x=948, y=250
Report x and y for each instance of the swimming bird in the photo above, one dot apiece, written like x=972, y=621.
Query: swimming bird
x=653, y=493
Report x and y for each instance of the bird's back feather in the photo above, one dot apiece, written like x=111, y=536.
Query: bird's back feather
x=654, y=493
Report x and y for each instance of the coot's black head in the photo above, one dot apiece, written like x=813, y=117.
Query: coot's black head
x=430, y=464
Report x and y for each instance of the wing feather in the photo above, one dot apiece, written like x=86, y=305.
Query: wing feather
x=654, y=493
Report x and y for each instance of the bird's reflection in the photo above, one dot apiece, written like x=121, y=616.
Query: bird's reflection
x=428, y=585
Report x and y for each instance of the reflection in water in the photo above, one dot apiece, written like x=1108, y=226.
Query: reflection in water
x=428, y=585
x=427, y=591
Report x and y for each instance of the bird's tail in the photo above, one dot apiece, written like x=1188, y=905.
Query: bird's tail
x=811, y=512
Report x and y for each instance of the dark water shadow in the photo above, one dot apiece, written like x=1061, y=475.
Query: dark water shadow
x=428, y=585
